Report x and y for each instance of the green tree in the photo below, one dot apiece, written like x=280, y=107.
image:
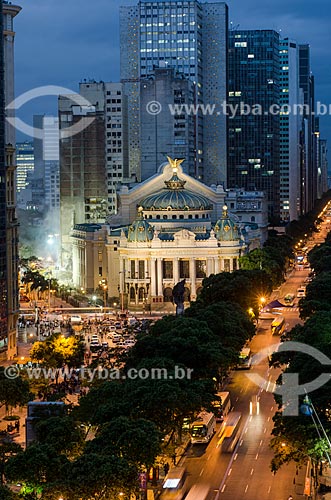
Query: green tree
x=318, y=296
x=138, y=440
x=57, y=350
x=243, y=287
x=14, y=392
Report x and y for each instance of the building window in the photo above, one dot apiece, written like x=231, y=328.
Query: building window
x=141, y=269
x=167, y=294
x=141, y=294
x=200, y=268
x=132, y=294
x=227, y=265
x=184, y=269
x=168, y=269
x=133, y=269
x=235, y=267
x=99, y=256
x=100, y=271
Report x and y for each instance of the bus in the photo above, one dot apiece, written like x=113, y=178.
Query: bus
x=230, y=433
x=222, y=407
x=245, y=359
x=203, y=428
x=198, y=492
x=278, y=325
x=175, y=484
x=289, y=299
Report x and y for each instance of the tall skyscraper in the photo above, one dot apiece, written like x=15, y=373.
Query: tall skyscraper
x=190, y=37
x=253, y=137
x=25, y=164
x=165, y=133
x=290, y=126
x=309, y=166
x=11, y=224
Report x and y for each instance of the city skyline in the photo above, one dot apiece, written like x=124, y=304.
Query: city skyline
x=97, y=56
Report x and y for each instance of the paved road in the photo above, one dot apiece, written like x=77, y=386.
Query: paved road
x=245, y=474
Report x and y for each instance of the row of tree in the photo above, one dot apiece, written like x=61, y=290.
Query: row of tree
x=297, y=438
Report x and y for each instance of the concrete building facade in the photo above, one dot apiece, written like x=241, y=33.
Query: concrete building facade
x=10, y=274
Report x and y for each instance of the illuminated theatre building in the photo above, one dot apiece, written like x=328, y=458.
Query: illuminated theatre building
x=169, y=228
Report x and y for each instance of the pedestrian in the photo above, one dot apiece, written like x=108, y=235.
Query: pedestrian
x=174, y=458
x=290, y=497
x=166, y=468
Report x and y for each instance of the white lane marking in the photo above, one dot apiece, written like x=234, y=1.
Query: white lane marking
x=246, y=488
x=261, y=442
x=201, y=472
x=246, y=430
x=268, y=420
x=252, y=472
x=271, y=408
x=265, y=430
x=208, y=458
x=237, y=399
x=222, y=490
x=250, y=419
x=229, y=472
x=269, y=489
x=241, y=442
x=235, y=457
x=256, y=456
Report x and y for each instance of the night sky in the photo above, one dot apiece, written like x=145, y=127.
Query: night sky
x=61, y=42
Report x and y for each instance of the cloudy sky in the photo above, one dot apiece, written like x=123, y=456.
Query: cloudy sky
x=61, y=42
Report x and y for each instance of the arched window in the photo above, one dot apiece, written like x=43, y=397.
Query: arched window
x=141, y=294
x=174, y=216
x=253, y=218
x=187, y=295
x=167, y=294
x=132, y=294
x=165, y=216
x=157, y=216
x=199, y=290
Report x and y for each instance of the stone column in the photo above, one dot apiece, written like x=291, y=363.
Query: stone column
x=193, y=278
x=217, y=265
x=153, y=278
x=176, y=270
x=122, y=276
x=210, y=267
x=231, y=264
x=159, y=278
x=222, y=264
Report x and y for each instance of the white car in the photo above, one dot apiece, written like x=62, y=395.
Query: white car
x=301, y=292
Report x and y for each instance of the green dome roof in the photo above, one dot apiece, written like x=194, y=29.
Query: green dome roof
x=226, y=229
x=140, y=230
x=175, y=197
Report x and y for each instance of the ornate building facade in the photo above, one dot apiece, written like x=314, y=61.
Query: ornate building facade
x=169, y=228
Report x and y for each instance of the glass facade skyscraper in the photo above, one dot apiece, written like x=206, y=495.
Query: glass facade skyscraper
x=190, y=37
x=253, y=137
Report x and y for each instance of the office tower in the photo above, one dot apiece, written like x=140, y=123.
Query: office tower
x=109, y=98
x=170, y=132
x=47, y=162
x=83, y=187
x=10, y=274
x=25, y=164
x=253, y=137
x=308, y=166
x=290, y=126
x=190, y=37
x=322, y=173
